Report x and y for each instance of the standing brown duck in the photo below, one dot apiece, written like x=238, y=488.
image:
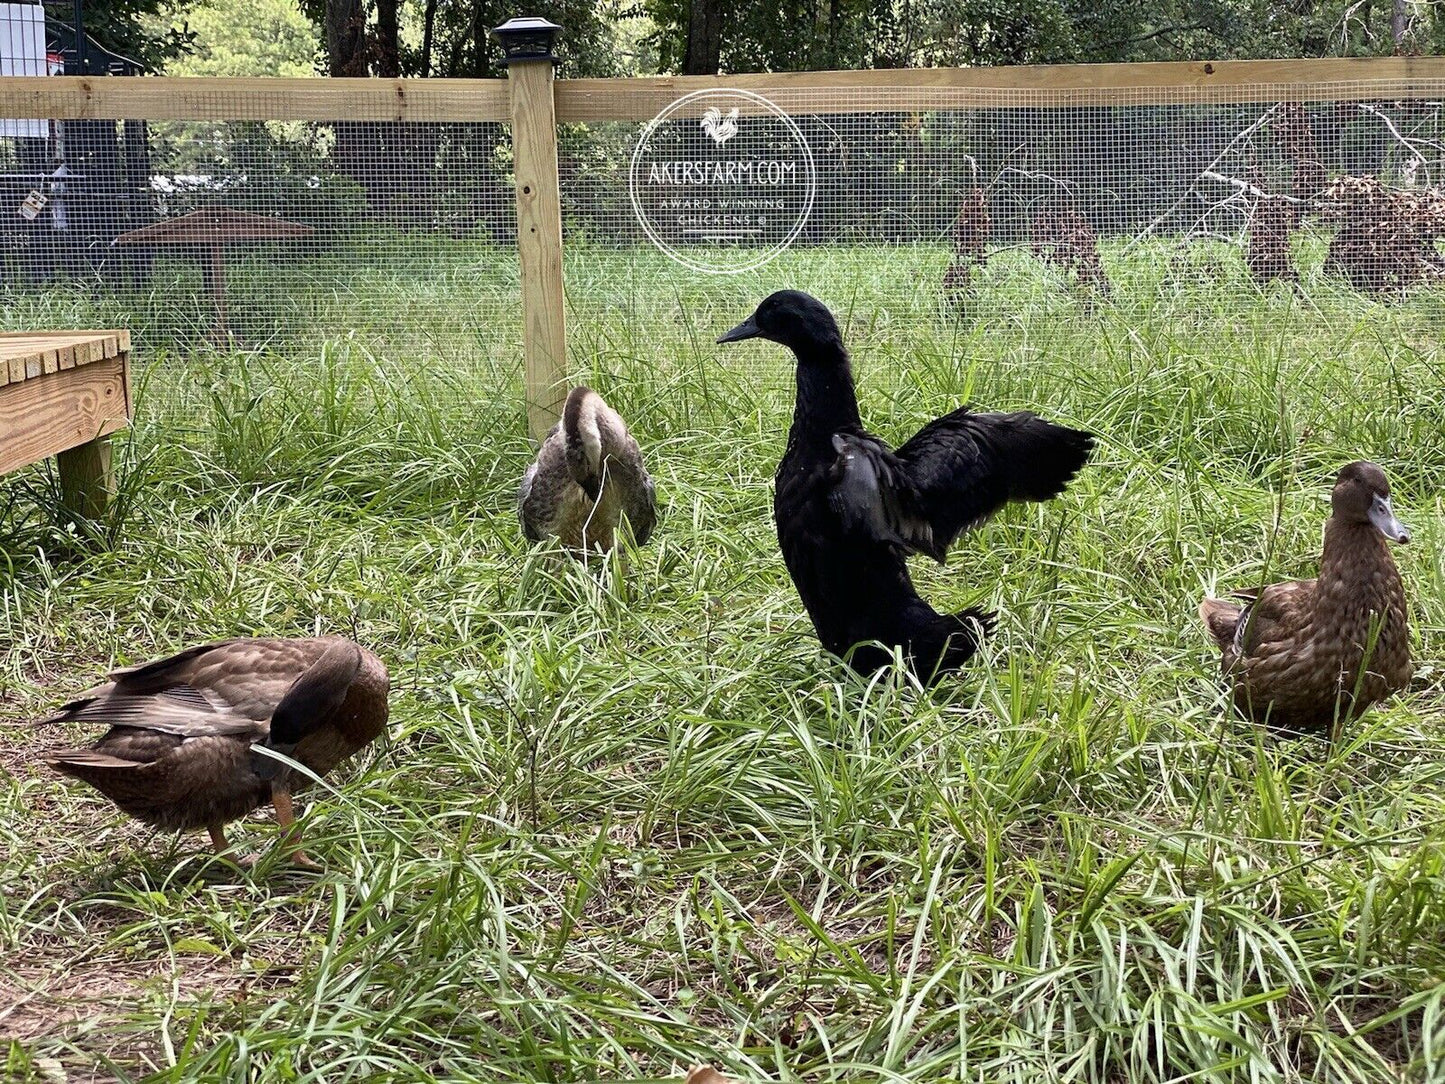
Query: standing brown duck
x=179, y=753
x=1308, y=654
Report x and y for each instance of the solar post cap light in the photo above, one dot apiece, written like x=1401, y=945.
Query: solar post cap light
x=527, y=38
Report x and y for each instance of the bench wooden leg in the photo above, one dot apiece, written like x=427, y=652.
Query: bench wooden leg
x=86, y=480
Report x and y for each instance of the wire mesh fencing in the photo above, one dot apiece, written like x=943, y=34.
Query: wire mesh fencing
x=933, y=211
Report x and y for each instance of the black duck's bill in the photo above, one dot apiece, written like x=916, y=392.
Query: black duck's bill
x=748, y=329
x=1383, y=517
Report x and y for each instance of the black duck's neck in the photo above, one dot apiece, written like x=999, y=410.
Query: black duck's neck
x=826, y=401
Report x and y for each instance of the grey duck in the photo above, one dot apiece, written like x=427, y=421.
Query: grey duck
x=587, y=476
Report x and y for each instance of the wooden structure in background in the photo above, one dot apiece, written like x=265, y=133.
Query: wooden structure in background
x=211, y=229
x=534, y=104
x=63, y=393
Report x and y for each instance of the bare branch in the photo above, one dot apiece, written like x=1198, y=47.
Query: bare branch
x=1193, y=189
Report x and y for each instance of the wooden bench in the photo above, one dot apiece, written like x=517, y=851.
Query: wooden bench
x=62, y=393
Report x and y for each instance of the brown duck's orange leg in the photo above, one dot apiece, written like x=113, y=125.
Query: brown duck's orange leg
x=218, y=838
x=291, y=833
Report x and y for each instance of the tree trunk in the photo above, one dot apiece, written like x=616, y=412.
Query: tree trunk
x=346, y=37
x=704, y=38
x=388, y=39
x=1398, y=23
x=346, y=56
x=428, y=36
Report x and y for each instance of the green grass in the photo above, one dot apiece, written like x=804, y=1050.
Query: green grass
x=628, y=820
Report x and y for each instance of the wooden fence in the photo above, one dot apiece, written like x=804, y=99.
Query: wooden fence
x=534, y=104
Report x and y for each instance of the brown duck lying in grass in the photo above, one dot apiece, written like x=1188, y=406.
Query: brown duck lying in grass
x=1309, y=654
x=179, y=754
x=588, y=475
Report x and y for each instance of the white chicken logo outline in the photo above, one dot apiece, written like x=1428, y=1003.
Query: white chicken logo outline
x=720, y=128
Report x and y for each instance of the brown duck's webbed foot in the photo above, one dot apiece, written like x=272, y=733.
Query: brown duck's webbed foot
x=291, y=832
x=223, y=847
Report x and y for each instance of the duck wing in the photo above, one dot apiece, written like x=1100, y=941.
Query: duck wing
x=540, y=496
x=184, y=716
x=160, y=675
x=231, y=680
x=874, y=496
x=967, y=466
x=1275, y=616
x=952, y=475
x=245, y=676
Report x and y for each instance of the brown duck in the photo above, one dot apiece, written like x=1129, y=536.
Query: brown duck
x=1308, y=654
x=179, y=752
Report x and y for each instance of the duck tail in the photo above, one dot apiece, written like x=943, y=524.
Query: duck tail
x=582, y=432
x=1221, y=619
x=88, y=765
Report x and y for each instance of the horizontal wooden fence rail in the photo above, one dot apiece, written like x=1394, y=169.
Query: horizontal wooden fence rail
x=1040, y=86
x=198, y=98
x=464, y=100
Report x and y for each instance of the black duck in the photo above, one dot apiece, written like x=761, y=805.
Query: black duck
x=849, y=510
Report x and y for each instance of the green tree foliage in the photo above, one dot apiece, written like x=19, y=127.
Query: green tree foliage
x=795, y=35
x=244, y=37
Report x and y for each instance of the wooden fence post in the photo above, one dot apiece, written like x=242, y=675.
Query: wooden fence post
x=527, y=43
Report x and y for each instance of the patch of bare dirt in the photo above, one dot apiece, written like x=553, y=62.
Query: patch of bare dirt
x=89, y=1004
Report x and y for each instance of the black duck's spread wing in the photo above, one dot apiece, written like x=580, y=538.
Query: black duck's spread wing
x=872, y=495
x=964, y=467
